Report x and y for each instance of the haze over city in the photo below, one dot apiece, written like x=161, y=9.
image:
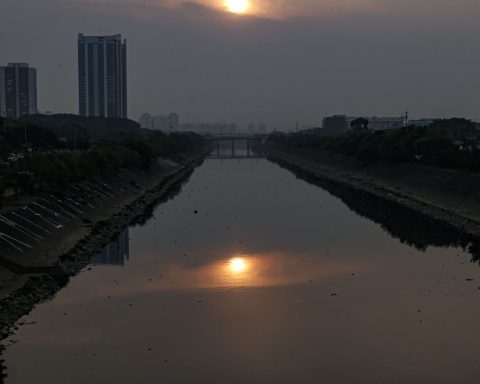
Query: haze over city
x=239, y=191
x=276, y=62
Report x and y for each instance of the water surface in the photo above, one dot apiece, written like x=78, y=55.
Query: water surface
x=251, y=275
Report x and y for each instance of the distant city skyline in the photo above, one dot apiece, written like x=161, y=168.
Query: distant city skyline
x=381, y=57
x=169, y=122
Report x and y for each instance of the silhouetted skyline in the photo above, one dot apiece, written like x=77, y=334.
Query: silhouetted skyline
x=283, y=63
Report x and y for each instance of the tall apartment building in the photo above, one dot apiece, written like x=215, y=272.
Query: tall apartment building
x=102, y=76
x=18, y=90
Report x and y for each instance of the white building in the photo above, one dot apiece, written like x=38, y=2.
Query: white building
x=385, y=123
x=421, y=122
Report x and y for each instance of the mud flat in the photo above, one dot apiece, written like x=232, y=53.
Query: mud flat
x=36, y=275
x=448, y=197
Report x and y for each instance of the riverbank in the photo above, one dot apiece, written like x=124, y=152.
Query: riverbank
x=38, y=273
x=444, y=195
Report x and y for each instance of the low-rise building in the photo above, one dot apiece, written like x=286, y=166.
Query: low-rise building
x=337, y=123
x=146, y=121
x=166, y=123
x=376, y=123
x=421, y=122
x=343, y=123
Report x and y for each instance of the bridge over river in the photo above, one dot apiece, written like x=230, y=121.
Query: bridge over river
x=254, y=144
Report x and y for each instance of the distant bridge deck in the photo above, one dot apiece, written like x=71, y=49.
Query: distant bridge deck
x=253, y=141
x=236, y=157
x=252, y=137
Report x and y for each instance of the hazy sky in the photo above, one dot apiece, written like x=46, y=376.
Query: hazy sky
x=285, y=60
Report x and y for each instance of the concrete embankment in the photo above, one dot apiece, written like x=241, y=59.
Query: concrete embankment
x=29, y=275
x=450, y=197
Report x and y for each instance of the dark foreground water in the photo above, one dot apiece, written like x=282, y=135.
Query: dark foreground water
x=251, y=275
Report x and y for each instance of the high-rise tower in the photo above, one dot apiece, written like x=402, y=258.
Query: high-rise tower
x=18, y=90
x=102, y=76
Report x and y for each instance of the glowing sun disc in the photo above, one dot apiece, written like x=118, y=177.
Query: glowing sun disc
x=237, y=265
x=237, y=6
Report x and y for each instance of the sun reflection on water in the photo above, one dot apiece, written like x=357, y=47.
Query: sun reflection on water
x=237, y=270
x=245, y=270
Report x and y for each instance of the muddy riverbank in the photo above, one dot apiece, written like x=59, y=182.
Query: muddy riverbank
x=71, y=250
x=444, y=196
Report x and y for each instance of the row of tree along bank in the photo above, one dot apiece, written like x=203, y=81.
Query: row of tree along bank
x=452, y=143
x=36, y=155
x=417, y=168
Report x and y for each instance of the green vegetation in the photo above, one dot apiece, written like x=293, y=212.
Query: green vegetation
x=434, y=145
x=14, y=132
x=4, y=147
x=49, y=162
x=76, y=132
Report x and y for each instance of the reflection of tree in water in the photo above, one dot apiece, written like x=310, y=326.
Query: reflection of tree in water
x=171, y=193
x=401, y=222
x=474, y=250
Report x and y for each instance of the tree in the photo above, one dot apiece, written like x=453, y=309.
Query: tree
x=338, y=122
x=455, y=129
x=360, y=124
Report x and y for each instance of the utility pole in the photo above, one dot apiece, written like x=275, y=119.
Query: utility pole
x=75, y=139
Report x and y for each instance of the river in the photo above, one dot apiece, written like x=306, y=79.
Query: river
x=252, y=275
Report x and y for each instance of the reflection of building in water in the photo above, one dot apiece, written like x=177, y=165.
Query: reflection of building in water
x=116, y=252
x=3, y=370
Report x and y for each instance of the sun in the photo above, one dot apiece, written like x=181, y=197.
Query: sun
x=237, y=265
x=237, y=6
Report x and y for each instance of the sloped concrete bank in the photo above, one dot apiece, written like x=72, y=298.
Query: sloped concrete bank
x=41, y=287
x=447, y=197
